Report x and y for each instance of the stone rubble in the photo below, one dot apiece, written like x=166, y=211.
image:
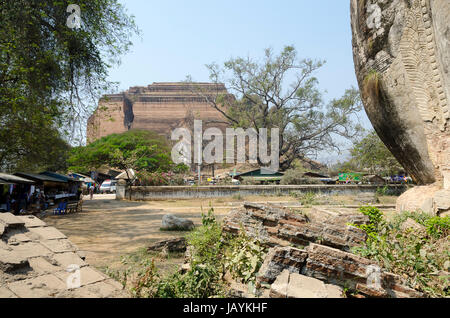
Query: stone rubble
x=310, y=255
x=35, y=262
x=277, y=226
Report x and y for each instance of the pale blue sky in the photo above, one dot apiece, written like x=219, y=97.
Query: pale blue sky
x=180, y=37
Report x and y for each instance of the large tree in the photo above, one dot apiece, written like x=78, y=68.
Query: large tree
x=282, y=92
x=371, y=154
x=50, y=74
x=135, y=149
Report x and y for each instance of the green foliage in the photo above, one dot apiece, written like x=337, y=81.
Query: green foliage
x=375, y=219
x=135, y=149
x=206, y=241
x=381, y=191
x=421, y=257
x=438, y=227
x=244, y=257
x=371, y=153
x=51, y=75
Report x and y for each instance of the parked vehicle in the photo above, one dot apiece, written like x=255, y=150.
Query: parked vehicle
x=108, y=187
x=113, y=186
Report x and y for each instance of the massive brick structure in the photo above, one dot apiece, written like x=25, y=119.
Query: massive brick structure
x=160, y=107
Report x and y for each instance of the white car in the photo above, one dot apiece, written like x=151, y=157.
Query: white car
x=108, y=186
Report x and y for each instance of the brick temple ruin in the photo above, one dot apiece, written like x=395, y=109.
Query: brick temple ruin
x=160, y=107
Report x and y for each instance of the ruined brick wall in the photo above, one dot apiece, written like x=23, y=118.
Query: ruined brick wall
x=160, y=107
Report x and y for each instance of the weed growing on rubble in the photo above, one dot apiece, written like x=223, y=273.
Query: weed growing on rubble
x=421, y=257
x=244, y=257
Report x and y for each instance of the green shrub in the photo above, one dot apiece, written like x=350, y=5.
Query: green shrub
x=244, y=257
x=421, y=258
x=438, y=227
x=375, y=218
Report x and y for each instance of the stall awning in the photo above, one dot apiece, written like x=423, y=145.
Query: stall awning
x=58, y=176
x=39, y=177
x=11, y=179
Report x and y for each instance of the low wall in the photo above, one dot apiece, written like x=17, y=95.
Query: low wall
x=194, y=192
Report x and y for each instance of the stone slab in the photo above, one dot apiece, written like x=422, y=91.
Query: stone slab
x=30, y=250
x=9, y=220
x=10, y=261
x=279, y=288
x=40, y=287
x=88, y=276
x=42, y=266
x=6, y=293
x=31, y=221
x=59, y=246
x=69, y=258
x=47, y=233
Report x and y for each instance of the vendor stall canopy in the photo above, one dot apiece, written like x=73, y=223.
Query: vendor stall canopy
x=39, y=177
x=11, y=179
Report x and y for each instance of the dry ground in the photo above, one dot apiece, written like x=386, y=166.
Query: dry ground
x=108, y=229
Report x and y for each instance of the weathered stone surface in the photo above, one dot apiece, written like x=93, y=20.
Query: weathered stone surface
x=276, y=226
x=9, y=220
x=429, y=199
x=15, y=237
x=177, y=245
x=31, y=249
x=59, y=246
x=279, y=288
x=401, y=53
x=301, y=286
x=46, y=233
x=67, y=259
x=88, y=276
x=43, y=266
x=348, y=270
x=10, y=261
x=6, y=293
x=319, y=270
x=293, y=285
x=279, y=259
x=40, y=287
x=172, y=222
x=31, y=221
x=36, y=262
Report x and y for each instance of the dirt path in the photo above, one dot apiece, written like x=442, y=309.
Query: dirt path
x=108, y=229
